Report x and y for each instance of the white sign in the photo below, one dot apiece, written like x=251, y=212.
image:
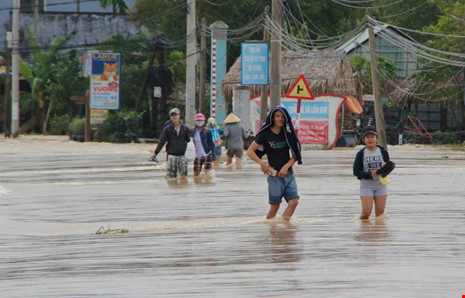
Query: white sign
x=156, y=91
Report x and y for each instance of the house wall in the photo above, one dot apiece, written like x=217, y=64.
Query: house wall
x=91, y=28
x=406, y=63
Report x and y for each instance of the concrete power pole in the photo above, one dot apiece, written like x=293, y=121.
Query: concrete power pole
x=218, y=55
x=275, y=84
x=264, y=89
x=379, y=115
x=36, y=16
x=203, y=69
x=15, y=71
x=191, y=53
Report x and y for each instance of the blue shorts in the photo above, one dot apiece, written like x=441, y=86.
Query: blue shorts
x=282, y=187
x=218, y=151
x=372, y=188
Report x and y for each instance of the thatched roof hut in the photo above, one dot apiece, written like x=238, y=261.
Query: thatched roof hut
x=325, y=72
x=413, y=91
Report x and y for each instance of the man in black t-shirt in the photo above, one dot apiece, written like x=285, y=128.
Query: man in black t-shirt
x=278, y=140
x=175, y=136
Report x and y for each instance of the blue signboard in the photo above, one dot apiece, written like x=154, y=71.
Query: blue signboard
x=254, y=63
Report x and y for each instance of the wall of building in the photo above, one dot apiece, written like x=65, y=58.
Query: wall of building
x=91, y=28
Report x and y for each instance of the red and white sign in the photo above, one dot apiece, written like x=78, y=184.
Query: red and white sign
x=319, y=124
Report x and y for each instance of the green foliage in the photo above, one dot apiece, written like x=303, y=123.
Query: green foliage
x=363, y=67
x=435, y=78
x=444, y=137
x=411, y=14
x=177, y=60
x=53, y=77
x=121, y=127
x=59, y=125
x=117, y=5
x=77, y=126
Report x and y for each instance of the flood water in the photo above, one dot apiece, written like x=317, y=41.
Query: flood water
x=210, y=238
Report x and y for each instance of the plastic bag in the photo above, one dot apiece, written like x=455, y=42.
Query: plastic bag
x=190, y=151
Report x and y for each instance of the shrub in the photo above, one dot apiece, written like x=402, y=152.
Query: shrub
x=59, y=125
x=123, y=127
x=444, y=137
x=77, y=126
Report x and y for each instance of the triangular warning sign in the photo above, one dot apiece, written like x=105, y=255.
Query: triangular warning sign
x=300, y=89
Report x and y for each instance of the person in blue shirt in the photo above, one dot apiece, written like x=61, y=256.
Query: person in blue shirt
x=216, y=132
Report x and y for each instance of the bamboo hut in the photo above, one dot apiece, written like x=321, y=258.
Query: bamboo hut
x=325, y=71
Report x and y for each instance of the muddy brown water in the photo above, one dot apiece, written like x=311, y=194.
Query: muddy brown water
x=209, y=238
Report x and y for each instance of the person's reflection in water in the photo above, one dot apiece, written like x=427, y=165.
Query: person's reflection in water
x=205, y=178
x=177, y=182
x=374, y=231
x=284, y=246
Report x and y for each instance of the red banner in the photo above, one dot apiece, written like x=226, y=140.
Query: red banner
x=311, y=132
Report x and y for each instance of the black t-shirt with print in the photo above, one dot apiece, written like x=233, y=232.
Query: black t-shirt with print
x=276, y=148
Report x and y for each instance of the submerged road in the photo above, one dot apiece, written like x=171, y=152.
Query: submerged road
x=209, y=238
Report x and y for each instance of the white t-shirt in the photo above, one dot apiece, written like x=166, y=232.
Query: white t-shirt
x=372, y=160
x=199, y=150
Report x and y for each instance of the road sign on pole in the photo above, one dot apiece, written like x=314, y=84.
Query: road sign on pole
x=300, y=90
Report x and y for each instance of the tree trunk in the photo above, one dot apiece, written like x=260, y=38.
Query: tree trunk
x=47, y=117
x=146, y=80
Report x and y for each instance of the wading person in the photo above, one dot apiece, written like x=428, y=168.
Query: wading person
x=176, y=136
x=367, y=161
x=278, y=140
x=204, y=146
x=234, y=133
x=217, y=132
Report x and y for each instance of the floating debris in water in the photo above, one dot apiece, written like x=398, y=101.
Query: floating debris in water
x=102, y=230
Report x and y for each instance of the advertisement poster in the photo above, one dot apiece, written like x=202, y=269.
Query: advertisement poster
x=98, y=116
x=105, y=81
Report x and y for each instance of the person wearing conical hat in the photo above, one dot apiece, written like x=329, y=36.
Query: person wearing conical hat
x=234, y=133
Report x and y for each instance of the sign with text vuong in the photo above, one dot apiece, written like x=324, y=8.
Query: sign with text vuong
x=105, y=81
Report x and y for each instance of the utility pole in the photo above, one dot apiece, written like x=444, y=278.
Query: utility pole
x=36, y=16
x=15, y=71
x=218, y=56
x=203, y=69
x=379, y=114
x=191, y=57
x=275, y=88
x=264, y=88
x=7, y=93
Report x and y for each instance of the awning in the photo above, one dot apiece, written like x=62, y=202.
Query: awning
x=353, y=105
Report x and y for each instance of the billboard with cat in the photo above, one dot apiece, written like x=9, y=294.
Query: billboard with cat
x=105, y=81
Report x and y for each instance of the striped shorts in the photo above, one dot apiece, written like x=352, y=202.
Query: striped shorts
x=199, y=161
x=177, y=166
